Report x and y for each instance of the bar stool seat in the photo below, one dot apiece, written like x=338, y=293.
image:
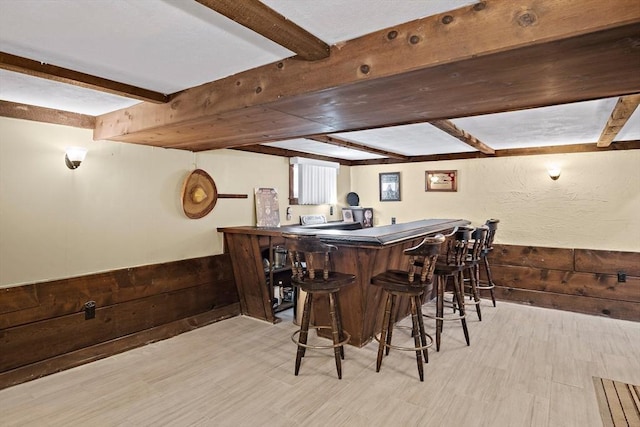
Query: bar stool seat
x=310, y=264
x=413, y=284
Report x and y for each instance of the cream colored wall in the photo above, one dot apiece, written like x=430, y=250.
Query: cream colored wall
x=595, y=204
x=121, y=208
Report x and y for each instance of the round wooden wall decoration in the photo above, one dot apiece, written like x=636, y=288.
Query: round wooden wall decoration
x=200, y=195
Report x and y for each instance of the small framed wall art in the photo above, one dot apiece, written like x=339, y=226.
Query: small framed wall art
x=441, y=180
x=390, y=187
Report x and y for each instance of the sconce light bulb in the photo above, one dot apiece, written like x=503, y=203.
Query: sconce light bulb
x=554, y=172
x=74, y=156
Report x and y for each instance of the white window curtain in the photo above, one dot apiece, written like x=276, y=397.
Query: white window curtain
x=317, y=181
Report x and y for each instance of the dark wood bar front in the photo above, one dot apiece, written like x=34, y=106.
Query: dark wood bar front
x=364, y=252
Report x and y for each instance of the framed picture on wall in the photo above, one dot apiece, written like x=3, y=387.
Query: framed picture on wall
x=390, y=187
x=441, y=180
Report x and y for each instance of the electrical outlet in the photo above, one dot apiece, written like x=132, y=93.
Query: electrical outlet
x=89, y=310
x=622, y=277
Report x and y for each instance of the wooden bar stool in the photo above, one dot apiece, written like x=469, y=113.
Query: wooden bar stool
x=310, y=264
x=472, y=266
x=413, y=284
x=492, y=225
x=451, y=264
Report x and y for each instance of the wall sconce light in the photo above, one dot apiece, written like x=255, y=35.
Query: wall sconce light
x=74, y=156
x=554, y=172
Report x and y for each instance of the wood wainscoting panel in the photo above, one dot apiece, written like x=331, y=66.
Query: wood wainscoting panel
x=46, y=321
x=623, y=310
x=533, y=256
x=118, y=345
x=64, y=334
x=610, y=262
x=67, y=296
x=595, y=285
x=580, y=280
x=18, y=298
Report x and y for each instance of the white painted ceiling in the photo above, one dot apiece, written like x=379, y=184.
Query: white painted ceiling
x=576, y=123
x=171, y=45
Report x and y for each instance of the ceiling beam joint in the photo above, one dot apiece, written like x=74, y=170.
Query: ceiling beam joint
x=46, y=115
x=619, y=116
x=450, y=128
x=265, y=21
x=63, y=75
x=355, y=146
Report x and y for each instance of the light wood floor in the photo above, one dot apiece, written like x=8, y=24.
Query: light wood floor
x=525, y=367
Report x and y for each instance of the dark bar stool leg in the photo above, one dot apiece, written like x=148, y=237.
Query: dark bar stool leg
x=440, y=280
x=417, y=339
x=390, y=322
x=385, y=330
x=423, y=334
x=489, y=278
x=304, y=330
x=335, y=333
x=458, y=280
x=339, y=318
x=474, y=279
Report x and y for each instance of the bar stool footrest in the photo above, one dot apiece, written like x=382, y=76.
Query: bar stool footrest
x=446, y=319
x=471, y=301
x=347, y=337
x=397, y=347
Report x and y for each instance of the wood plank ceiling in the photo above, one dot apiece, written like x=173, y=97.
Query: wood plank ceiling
x=485, y=58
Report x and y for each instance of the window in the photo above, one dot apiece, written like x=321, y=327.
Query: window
x=312, y=182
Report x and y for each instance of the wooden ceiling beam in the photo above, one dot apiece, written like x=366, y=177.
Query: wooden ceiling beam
x=47, y=115
x=283, y=152
x=355, y=146
x=621, y=113
x=30, y=67
x=265, y=21
x=485, y=58
x=450, y=128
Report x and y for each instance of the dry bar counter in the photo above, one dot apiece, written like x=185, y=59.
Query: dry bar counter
x=363, y=252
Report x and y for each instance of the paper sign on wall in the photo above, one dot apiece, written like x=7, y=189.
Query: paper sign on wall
x=267, y=207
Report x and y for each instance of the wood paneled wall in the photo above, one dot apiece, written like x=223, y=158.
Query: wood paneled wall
x=580, y=280
x=43, y=327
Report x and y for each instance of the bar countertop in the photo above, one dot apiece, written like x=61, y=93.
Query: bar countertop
x=374, y=236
